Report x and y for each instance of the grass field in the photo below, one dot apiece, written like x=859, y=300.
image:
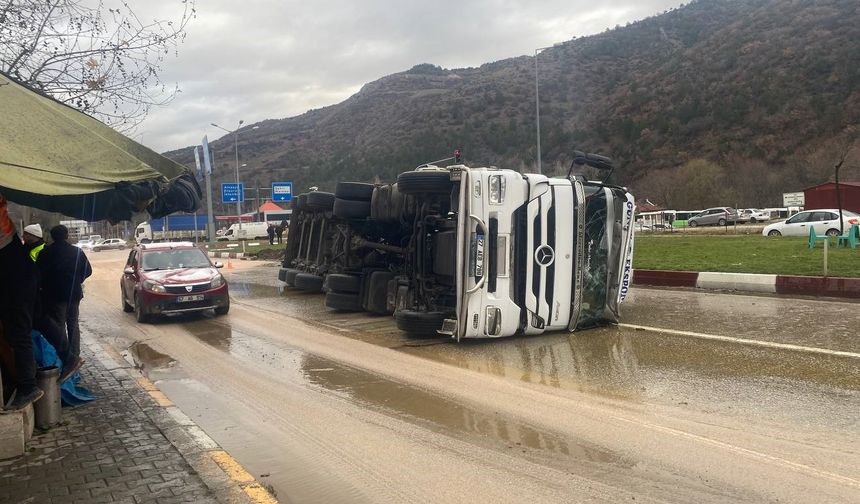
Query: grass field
x=743, y=254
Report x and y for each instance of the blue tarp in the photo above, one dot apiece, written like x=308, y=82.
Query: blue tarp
x=70, y=393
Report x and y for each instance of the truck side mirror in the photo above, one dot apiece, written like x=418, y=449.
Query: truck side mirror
x=128, y=270
x=219, y=264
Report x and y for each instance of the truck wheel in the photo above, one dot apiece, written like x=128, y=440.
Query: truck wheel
x=355, y=191
x=419, y=323
x=412, y=182
x=308, y=282
x=343, y=301
x=302, y=201
x=349, y=209
x=319, y=200
x=376, y=294
x=343, y=283
x=290, y=277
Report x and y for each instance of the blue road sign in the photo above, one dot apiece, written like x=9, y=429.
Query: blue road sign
x=282, y=191
x=231, y=193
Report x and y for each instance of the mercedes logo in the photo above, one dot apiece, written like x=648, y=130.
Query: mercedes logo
x=544, y=255
x=188, y=288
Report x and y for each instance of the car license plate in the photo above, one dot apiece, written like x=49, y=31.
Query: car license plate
x=479, y=256
x=185, y=299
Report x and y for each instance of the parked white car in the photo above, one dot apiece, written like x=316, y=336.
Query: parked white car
x=109, y=244
x=824, y=221
x=753, y=215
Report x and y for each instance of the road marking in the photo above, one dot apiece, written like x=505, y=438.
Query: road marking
x=764, y=344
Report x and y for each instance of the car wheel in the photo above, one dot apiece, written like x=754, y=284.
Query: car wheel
x=752, y=220
x=349, y=209
x=350, y=284
x=125, y=306
x=832, y=233
x=721, y=222
x=419, y=323
x=343, y=301
x=308, y=282
x=223, y=310
x=692, y=223
x=139, y=314
x=774, y=232
x=413, y=182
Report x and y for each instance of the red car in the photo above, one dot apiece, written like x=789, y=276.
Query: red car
x=166, y=278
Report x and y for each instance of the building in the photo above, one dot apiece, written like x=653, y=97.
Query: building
x=270, y=212
x=824, y=196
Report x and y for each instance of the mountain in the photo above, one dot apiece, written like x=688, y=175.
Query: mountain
x=763, y=92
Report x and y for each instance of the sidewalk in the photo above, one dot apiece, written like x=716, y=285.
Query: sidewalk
x=131, y=445
x=835, y=287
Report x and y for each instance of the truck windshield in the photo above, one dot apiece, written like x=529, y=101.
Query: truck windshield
x=174, y=259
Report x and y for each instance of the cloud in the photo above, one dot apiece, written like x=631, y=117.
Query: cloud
x=267, y=59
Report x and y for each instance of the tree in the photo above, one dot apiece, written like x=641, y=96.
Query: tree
x=102, y=60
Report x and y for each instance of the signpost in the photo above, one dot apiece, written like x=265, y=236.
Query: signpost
x=282, y=191
x=793, y=199
x=232, y=192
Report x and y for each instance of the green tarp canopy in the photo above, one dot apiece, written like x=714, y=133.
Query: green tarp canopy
x=59, y=159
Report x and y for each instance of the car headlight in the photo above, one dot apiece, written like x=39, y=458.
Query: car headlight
x=153, y=286
x=218, y=281
x=497, y=189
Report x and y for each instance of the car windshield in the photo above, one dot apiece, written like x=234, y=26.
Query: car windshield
x=174, y=259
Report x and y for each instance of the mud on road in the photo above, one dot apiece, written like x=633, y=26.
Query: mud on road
x=344, y=408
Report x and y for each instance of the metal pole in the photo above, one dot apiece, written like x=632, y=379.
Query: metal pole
x=537, y=108
x=210, y=220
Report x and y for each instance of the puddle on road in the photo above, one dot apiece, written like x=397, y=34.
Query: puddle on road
x=145, y=357
x=445, y=415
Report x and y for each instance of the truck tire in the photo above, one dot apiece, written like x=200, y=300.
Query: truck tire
x=419, y=323
x=355, y=191
x=319, y=200
x=343, y=301
x=308, y=282
x=376, y=293
x=349, y=209
x=290, y=277
x=427, y=181
x=343, y=283
x=302, y=201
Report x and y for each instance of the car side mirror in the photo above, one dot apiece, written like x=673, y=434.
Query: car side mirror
x=128, y=270
x=219, y=264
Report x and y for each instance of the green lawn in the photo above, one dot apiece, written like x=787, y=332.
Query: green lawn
x=743, y=254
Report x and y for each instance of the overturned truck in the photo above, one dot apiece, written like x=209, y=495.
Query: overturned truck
x=468, y=252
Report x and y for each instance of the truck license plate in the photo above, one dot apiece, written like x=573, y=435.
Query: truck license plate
x=185, y=299
x=479, y=256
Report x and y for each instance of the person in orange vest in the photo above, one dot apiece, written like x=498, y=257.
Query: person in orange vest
x=18, y=290
x=33, y=240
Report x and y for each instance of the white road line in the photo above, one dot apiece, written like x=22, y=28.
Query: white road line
x=765, y=344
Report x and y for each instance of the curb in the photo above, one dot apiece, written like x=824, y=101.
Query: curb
x=837, y=287
x=228, y=481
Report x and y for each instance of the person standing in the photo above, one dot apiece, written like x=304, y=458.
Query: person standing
x=271, y=232
x=18, y=291
x=63, y=269
x=279, y=231
x=33, y=240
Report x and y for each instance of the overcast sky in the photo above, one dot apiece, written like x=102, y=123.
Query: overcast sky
x=270, y=59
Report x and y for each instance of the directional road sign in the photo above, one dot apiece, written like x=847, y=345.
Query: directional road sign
x=231, y=193
x=282, y=191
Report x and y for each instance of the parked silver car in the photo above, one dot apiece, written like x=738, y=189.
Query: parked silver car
x=109, y=244
x=719, y=216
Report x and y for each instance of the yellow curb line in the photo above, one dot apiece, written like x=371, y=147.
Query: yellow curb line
x=238, y=474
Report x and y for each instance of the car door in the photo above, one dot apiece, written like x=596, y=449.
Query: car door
x=711, y=218
x=797, y=225
x=130, y=276
x=822, y=221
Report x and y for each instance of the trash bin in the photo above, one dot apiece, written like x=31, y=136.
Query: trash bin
x=47, y=409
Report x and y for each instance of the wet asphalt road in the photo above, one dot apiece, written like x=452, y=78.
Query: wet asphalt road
x=335, y=407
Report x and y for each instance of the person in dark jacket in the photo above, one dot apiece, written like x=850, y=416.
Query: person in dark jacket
x=279, y=232
x=18, y=290
x=271, y=232
x=63, y=269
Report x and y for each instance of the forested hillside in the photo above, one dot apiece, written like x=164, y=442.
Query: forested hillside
x=716, y=102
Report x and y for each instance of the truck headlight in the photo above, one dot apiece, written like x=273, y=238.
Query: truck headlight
x=497, y=189
x=493, y=323
x=153, y=286
x=218, y=281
